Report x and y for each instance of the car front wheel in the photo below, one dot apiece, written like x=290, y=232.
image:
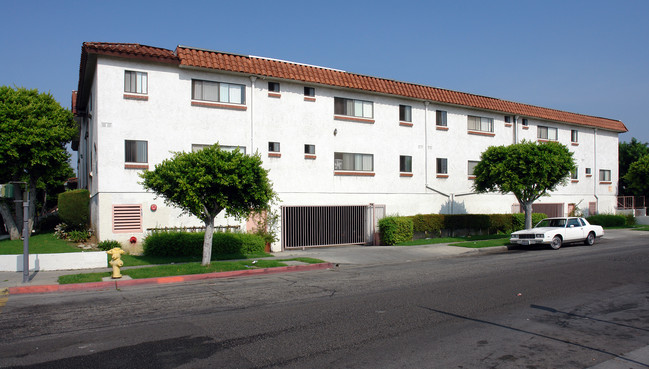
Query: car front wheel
x=556, y=243
x=590, y=240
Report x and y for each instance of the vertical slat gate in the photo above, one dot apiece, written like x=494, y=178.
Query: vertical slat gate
x=314, y=226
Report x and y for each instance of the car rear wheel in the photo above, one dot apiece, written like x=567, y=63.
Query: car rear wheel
x=556, y=243
x=590, y=240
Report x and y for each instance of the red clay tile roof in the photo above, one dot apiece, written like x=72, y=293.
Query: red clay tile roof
x=194, y=57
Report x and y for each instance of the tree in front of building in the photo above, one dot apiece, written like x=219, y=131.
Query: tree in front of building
x=529, y=170
x=637, y=177
x=211, y=180
x=34, y=130
x=629, y=153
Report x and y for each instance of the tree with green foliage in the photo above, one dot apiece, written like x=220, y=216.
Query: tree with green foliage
x=629, y=153
x=529, y=170
x=211, y=180
x=637, y=177
x=34, y=130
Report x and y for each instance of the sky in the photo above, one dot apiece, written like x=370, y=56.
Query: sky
x=588, y=57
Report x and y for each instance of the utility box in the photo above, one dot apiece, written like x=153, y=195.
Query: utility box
x=7, y=190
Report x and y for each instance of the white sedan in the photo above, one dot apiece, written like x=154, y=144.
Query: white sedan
x=557, y=231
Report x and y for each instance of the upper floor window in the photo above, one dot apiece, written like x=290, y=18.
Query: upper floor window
x=524, y=122
x=546, y=133
x=440, y=118
x=273, y=147
x=604, y=175
x=588, y=172
x=136, y=151
x=471, y=167
x=353, y=161
x=405, y=164
x=218, y=92
x=574, y=135
x=309, y=91
x=309, y=149
x=481, y=124
x=405, y=113
x=273, y=87
x=354, y=108
x=574, y=174
x=508, y=118
x=442, y=166
x=135, y=82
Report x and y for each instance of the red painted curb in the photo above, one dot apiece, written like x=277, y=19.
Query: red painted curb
x=162, y=280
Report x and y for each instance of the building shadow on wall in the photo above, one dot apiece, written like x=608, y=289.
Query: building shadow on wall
x=453, y=207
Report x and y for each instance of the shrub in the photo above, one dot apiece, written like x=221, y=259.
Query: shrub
x=428, y=223
x=74, y=209
x=395, y=229
x=607, y=220
x=108, y=245
x=500, y=223
x=48, y=223
x=180, y=244
x=518, y=220
x=78, y=236
x=630, y=220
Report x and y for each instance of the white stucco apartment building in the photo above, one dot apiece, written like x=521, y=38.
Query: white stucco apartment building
x=331, y=139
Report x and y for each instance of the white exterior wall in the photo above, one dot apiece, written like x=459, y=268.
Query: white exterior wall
x=169, y=122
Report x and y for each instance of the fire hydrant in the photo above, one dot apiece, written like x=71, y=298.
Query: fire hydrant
x=116, y=262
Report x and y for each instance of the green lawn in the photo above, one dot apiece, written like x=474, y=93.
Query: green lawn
x=38, y=244
x=184, y=269
x=484, y=243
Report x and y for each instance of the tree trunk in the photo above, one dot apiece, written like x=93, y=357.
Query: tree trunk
x=207, y=242
x=9, y=222
x=528, y=214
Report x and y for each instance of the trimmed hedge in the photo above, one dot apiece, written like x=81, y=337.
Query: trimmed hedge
x=608, y=220
x=395, y=229
x=74, y=209
x=433, y=224
x=176, y=244
x=518, y=220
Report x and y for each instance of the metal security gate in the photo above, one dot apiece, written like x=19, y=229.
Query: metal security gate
x=315, y=226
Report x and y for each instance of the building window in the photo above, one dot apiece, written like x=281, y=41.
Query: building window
x=135, y=82
x=440, y=118
x=524, y=122
x=508, y=118
x=481, y=124
x=442, y=166
x=218, y=92
x=309, y=91
x=588, y=172
x=471, y=167
x=574, y=135
x=353, y=161
x=198, y=147
x=546, y=133
x=354, y=108
x=273, y=86
x=604, y=175
x=405, y=113
x=574, y=174
x=136, y=151
x=309, y=149
x=273, y=147
x=405, y=164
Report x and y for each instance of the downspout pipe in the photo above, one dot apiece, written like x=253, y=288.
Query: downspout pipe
x=426, y=103
x=252, y=116
x=595, y=170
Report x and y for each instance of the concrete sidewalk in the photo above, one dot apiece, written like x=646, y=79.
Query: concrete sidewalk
x=345, y=255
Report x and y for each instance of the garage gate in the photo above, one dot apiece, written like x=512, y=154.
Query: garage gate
x=317, y=226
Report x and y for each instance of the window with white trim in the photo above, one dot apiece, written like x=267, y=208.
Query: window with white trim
x=198, y=147
x=546, y=133
x=588, y=171
x=574, y=135
x=309, y=149
x=471, y=167
x=481, y=124
x=405, y=113
x=353, y=108
x=136, y=151
x=218, y=92
x=353, y=161
x=604, y=175
x=442, y=166
x=440, y=118
x=135, y=82
x=405, y=164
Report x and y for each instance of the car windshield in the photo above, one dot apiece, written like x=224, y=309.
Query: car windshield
x=551, y=223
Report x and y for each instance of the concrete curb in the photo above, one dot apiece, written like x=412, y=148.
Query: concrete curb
x=117, y=284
